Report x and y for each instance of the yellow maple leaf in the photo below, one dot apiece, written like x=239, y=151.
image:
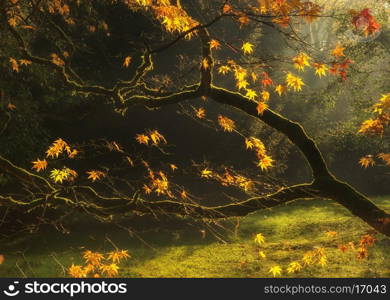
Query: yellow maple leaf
x=248, y=144
x=239, y=73
x=321, y=69
x=60, y=175
x=247, y=48
x=205, y=64
x=293, y=267
x=265, y=162
x=223, y=70
x=275, y=271
x=372, y=126
x=294, y=81
x=322, y=261
x=259, y=145
x=118, y=255
x=200, y=113
x=242, y=84
x=250, y=94
x=383, y=105
x=262, y=254
x=280, y=89
x=301, y=61
x=110, y=270
x=157, y=137
x=39, y=165
x=254, y=77
x=259, y=239
x=206, y=173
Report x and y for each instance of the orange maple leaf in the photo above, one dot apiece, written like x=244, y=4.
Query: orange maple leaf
x=11, y=106
x=95, y=175
x=261, y=107
x=338, y=51
x=142, y=139
x=214, y=44
x=367, y=161
x=39, y=165
x=126, y=61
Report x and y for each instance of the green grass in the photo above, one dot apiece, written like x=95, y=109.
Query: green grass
x=176, y=251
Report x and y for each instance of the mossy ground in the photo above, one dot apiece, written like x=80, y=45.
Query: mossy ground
x=290, y=231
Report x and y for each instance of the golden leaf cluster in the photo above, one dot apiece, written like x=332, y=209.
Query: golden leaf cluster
x=61, y=8
x=226, y=123
x=15, y=64
x=55, y=59
x=381, y=110
x=308, y=10
x=173, y=18
x=58, y=147
x=264, y=161
x=65, y=174
x=99, y=265
x=159, y=184
x=154, y=137
x=316, y=256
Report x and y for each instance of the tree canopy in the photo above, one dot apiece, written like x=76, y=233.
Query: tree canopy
x=228, y=67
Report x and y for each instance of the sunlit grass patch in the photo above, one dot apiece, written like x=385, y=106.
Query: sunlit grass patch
x=289, y=232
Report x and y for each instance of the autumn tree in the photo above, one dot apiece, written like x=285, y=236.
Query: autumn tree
x=113, y=54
